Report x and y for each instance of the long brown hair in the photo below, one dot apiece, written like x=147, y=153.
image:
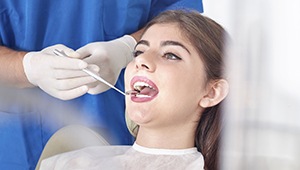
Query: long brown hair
x=208, y=37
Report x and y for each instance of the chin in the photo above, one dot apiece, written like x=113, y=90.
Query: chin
x=139, y=117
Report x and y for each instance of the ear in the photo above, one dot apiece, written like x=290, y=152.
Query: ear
x=216, y=92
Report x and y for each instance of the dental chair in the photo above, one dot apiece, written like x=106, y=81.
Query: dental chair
x=71, y=138
x=75, y=137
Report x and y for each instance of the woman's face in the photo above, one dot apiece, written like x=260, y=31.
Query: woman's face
x=171, y=77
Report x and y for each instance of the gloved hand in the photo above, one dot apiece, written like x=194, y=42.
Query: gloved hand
x=111, y=57
x=58, y=76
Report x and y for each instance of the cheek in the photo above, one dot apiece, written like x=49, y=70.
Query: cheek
x=128, y=74
x=175, y=90
x=184, y=90
x=184, y=83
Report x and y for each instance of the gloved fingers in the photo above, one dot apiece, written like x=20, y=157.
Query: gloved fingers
x=67, y=84
x=94, y=68
x=53, y=61
x=50, y=49
x=98, y=89
x=73, y=93
x=69, y=51
x=94, y=51
x=65, y=74
x=100, y=57
x=84, y=51
x=101, y=87
x=92, y=85
x=72, y=54
x=59, y=62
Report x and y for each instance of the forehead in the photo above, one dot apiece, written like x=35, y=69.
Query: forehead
x=166, y=31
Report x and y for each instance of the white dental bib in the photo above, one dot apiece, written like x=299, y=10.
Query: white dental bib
x=126, y=157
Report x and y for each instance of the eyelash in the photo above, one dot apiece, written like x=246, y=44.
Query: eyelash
x=173, y=56
x=168, y=55
x=136, y=53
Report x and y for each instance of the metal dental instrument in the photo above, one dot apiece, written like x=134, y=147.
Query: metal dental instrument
x=89, y=72
x=132, y=92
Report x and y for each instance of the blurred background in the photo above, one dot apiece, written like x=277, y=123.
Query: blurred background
x=263, y=109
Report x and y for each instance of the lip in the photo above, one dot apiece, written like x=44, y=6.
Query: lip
x=146, y=80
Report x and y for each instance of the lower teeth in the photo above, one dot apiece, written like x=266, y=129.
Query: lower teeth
x=141, y=95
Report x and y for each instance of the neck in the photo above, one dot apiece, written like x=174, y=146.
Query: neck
x=166, y=138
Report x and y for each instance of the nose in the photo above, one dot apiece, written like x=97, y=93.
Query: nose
x=145, y=61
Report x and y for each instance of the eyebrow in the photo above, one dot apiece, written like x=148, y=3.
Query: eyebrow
x=144, y=42
x=164, y=43
x=175, y=43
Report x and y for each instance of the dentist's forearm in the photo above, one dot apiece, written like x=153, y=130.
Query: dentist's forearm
x=11, y=69
x=138, y=34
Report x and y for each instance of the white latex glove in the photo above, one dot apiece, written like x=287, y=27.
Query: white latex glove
x=61, y=77
x=111, y=57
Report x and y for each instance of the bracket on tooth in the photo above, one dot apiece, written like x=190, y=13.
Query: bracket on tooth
x=136, y=93
x=132, y=92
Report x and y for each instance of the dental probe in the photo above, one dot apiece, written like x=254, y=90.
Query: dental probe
x=89, y=72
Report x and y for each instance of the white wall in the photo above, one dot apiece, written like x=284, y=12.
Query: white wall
x=263, y=111
x=220, y=11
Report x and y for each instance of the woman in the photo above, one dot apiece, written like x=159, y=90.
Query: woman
x=177, y=77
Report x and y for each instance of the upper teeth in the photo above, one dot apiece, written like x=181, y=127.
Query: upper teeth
x=140, y=85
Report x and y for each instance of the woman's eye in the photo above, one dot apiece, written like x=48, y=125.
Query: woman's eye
x=171, y=56
x=137, y=53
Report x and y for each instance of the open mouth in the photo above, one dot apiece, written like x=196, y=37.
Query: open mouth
x=143, y=88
